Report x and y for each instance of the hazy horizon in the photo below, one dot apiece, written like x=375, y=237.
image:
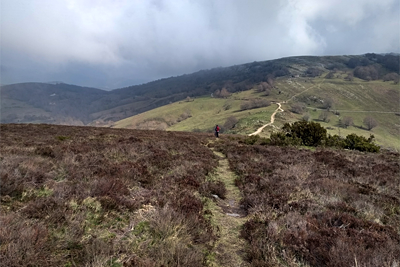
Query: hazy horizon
x=112, y=44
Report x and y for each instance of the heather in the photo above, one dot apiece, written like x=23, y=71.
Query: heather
x=317, y=207
x=86, y=196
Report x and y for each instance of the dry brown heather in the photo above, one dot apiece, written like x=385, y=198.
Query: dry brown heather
x=318, y=208
x=81, y=196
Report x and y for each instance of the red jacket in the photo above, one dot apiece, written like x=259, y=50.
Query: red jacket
x=217, y=129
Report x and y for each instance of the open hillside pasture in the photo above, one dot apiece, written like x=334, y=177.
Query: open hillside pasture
x=335, y=97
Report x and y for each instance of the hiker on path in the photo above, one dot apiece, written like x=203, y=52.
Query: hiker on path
x=216, y=130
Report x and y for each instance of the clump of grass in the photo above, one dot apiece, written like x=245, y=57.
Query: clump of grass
x=62, y=138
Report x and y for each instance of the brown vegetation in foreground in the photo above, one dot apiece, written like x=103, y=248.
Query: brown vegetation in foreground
x=82, y=196
x=318, y=208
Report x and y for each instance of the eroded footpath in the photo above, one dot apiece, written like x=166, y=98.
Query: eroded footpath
x=229, y=217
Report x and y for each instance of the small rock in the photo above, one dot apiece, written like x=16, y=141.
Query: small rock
x=233, y=214
x=216, y=196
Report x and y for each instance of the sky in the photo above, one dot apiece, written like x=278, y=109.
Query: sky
x=111, y=44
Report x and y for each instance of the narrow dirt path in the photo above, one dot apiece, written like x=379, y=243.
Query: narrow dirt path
x=359, y=111
x=229, y=218
x=259, y=130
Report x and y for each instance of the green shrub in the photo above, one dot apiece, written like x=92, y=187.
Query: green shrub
x=281, y=139
x=313, y=134
x=251, y=140
x=310, y=133
x=62, y=138
x=360, y=143
x=335, y=141
x=265, y=141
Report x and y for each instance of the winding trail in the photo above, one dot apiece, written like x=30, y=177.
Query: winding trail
x=229, y=217
x=259, y=130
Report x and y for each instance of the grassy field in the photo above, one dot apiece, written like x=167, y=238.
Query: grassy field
x=356, y=99
x=203, y=114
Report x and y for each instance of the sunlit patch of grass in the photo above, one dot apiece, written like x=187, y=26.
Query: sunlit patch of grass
x=32, y=193
x=357, y=99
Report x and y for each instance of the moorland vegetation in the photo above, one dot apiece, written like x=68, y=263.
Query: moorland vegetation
x=317, y=208
x=85, y=196
x=81, y=196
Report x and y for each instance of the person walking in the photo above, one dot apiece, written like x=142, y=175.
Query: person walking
x=216, y=130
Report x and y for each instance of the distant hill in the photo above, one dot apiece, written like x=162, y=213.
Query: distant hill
x=57, y=103
x=60, y=103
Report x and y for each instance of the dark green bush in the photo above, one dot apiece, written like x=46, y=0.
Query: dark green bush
x=62, y=138
x=334, y=141
x=310, y=133
x=281, y=139
x=265, y=141
x=255, y=140
x=360, y=143
x=251, y=140
x=313, y=134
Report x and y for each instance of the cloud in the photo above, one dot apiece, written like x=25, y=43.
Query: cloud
x=132, y=41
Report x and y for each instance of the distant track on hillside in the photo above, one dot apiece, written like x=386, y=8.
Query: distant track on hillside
x=359, y=111
x=259, y=130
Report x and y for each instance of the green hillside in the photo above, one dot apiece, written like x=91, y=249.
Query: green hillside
x=200, y=114
x=356, y=99
x=70, y=104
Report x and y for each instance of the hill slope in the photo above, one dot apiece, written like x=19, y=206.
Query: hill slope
x=299, y=96
x=74, y=104
x=50, y=103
